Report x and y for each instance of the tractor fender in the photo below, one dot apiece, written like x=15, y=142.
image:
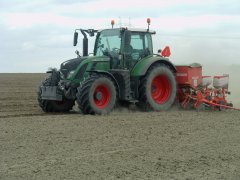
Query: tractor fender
x=143, y=65
x=106, y=73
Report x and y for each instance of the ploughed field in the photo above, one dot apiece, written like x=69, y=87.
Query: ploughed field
x=127, y=144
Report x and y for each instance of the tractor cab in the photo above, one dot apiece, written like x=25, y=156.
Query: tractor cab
x=125, y=47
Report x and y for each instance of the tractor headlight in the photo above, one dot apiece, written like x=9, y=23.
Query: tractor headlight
x=70, y=74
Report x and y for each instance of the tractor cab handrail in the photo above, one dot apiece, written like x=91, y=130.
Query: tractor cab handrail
x=91, y=32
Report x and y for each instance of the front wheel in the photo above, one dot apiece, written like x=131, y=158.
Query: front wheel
x=97, y=95
x=157, y=90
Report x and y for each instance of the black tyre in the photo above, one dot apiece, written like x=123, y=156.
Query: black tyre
x=157, y=90
x=53, y=106
x=230, y=104
x=96, y=95
x=221, y=103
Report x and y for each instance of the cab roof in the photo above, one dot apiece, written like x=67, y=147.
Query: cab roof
x=133, y=30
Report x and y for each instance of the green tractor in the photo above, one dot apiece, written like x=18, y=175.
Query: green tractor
x=122, y=69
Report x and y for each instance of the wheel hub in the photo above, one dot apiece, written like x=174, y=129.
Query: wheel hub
x=102, y=96
x=153, y=89
x=160, y=89
x=98, y=96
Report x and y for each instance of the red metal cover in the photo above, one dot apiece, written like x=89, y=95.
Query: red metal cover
x=189, y=75
x=166, y=52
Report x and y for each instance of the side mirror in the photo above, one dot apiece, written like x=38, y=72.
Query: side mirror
x=75, y=39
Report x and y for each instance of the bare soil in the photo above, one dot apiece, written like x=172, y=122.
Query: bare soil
x=127, y=144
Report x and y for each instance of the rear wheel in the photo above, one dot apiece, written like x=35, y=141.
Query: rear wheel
x=97, y=95
x=53, y=106
x=157, y=90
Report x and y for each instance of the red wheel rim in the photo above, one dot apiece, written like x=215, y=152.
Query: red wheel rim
x=102, y=96
x=161, y=89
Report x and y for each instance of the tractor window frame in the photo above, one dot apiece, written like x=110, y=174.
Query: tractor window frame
x=114, y=31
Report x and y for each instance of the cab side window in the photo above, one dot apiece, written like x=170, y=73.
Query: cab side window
x=137, y=47
x=148, y=44
x=141, y=44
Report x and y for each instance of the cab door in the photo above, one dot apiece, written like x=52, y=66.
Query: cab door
x=138, y=46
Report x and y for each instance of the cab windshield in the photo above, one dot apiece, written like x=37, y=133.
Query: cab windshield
x=107, y=41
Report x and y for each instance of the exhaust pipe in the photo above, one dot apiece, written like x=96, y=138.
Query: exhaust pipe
x=85, y=43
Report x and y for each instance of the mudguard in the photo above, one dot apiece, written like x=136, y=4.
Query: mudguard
x=144, y=64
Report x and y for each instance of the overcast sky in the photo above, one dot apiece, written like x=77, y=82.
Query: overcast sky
x=37, y=34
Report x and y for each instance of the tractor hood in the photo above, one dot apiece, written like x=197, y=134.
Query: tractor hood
x=73, y=64
x=70, y=65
